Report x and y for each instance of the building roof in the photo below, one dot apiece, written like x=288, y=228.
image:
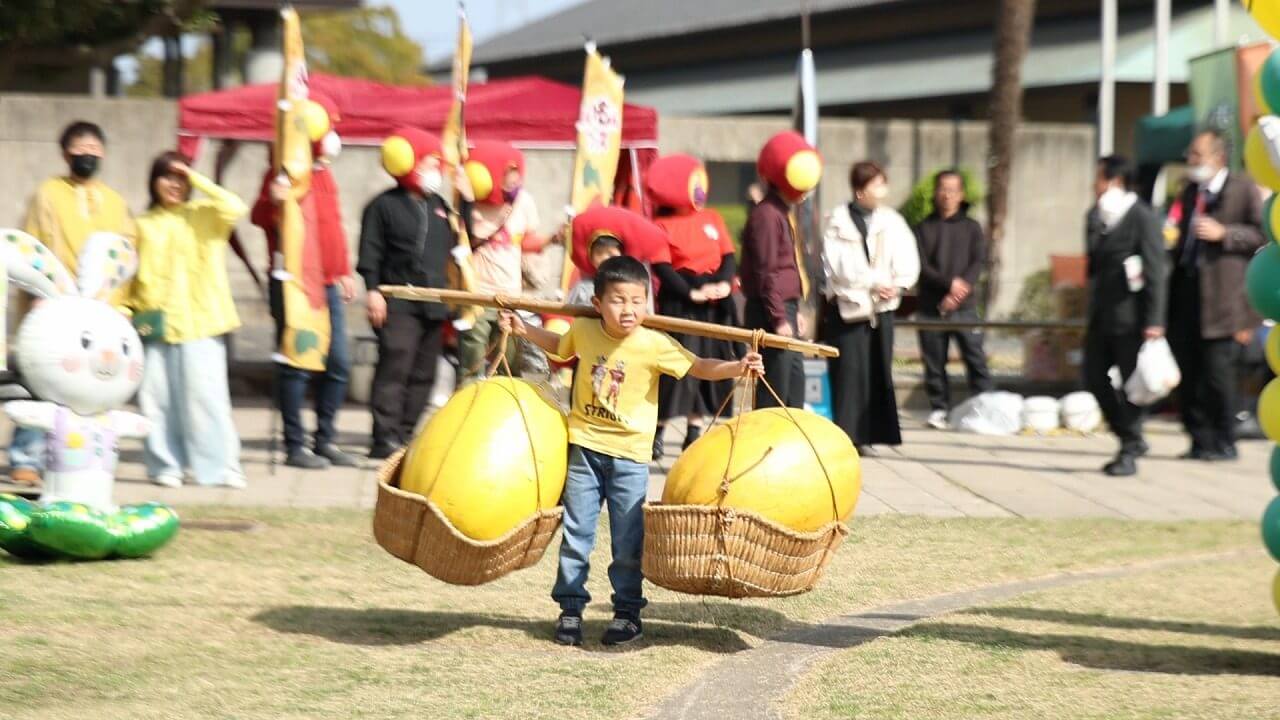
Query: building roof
x=610, y=22
x=1062, y=53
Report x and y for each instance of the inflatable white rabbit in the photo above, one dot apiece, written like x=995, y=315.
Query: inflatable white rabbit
x=81, y=357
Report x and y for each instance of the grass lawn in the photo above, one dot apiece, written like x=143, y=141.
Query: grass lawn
x=308, y=618
x=1199, y=641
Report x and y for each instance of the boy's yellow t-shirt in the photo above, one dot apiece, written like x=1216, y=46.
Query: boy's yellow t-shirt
x=614, y=407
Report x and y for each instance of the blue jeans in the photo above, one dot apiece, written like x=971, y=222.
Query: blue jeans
x=331, y=384
x=595, y=478
x=184, y=394
x=26, y=450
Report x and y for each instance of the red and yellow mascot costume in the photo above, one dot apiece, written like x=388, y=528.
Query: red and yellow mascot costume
x=696, y=285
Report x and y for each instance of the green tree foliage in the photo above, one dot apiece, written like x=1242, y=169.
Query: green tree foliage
x=47, y=31
x=197, y=73
x=366, y=43
x=919, y=204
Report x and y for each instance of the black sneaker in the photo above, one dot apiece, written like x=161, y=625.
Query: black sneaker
x=691, y=436
x=1122, y=466
x=305, y=459
x=658, y=450
x=622, y=629
x=569, y=629
x=335, y=456
x=1225, y=454
x=382, y=451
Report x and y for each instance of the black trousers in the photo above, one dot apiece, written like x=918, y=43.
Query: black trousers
x=409, y=345
x=783, y=369
x=1101, y=353
x=1207, y=395
x=863, y=401
x=934, y=347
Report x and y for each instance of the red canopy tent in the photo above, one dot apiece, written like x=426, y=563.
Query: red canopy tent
x=529, y=112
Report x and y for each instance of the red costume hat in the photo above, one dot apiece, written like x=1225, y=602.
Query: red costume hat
x=640, y=238
x=487, y=165
x=790, y=164
x=404, y=149
x=678, y=182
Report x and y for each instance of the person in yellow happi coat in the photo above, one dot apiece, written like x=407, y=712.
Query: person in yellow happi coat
x=64, y=211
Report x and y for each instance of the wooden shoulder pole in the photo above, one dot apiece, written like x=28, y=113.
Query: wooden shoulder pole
x=657, y=322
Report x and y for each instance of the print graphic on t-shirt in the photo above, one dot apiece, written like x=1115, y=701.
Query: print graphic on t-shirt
x=606, y=382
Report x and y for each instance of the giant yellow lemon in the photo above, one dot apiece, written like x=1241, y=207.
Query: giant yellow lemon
x=774, y=470
x=487, y=465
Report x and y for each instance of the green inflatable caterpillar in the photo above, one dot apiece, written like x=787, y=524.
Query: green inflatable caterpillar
x=37, y=531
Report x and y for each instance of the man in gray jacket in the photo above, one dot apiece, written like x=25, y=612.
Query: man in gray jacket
x=1210, y=320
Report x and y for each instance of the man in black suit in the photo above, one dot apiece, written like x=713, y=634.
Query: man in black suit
x=1126, y=255
x=1210, y=320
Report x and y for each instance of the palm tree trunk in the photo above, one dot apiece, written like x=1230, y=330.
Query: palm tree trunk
x=1013, y=35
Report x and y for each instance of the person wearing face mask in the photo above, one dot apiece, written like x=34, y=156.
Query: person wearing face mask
x=773, y=275
x=64, y=211
x=870, y=258
x=1209, y=317
x=1125, y=250
x=695, y=285
x=182, y=309
x=407, y=237
x=322, y=214
x=505, y=220
x=952, y=253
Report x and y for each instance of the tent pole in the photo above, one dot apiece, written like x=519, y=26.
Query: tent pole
x=1107, y=85
x=1160, y=86
x=1221, y=22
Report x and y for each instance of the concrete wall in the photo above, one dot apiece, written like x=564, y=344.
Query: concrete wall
x=1052, y=173
x=1051, y=176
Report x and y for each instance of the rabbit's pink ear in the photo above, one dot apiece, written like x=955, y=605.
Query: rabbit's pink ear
x=33, y=267
x=106, y=262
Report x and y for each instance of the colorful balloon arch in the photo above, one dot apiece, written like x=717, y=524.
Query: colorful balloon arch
x=1262, y=158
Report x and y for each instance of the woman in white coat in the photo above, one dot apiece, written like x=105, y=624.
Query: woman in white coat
x=869, y=257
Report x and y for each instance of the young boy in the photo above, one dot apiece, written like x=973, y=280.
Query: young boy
x=611, y=425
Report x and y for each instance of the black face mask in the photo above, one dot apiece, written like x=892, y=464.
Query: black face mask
x=84, y=166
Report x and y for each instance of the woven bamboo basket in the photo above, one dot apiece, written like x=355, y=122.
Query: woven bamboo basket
x=408, y=526
x=709, y=550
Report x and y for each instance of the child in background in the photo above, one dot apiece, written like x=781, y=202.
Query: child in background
x=611, y=426
x=602, y=248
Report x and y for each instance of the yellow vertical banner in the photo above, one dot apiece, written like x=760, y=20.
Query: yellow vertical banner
x=453, y=141
x=305, y=341
x=599, y=138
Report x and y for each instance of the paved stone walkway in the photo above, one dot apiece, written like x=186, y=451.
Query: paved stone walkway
x=939, y=474
x=752, y=683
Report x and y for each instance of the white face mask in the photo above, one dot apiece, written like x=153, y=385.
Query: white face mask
x=880, y=192
x=1201, y=174
x=430, y=181
x=1114, y=204
x=330, y=145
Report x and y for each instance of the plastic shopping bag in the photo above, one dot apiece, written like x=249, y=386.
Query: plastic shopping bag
x=1156, y=375
x=990, y=413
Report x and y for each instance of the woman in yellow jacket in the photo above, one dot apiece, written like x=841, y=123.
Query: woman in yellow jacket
x=182, y=308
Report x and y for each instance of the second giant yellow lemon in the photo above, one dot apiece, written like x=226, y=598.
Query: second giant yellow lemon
x=487, y=465
x=775, y=472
